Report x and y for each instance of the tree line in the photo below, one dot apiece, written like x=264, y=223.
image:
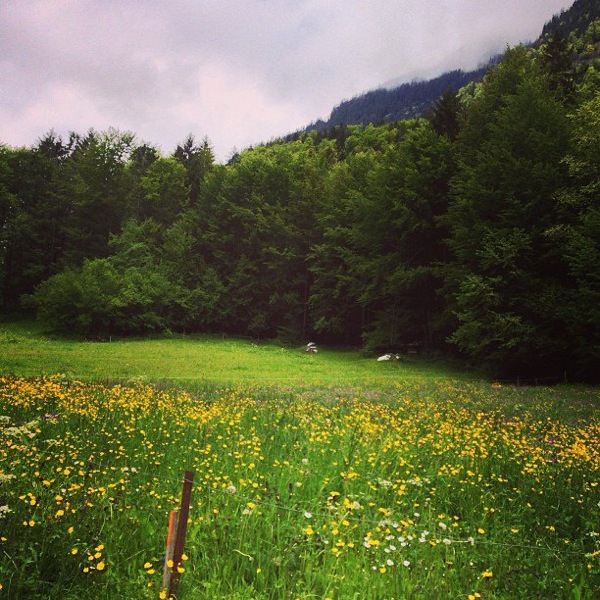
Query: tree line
x=473, y=232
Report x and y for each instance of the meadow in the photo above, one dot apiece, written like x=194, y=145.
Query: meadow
x=404, y=481
x=27, y=349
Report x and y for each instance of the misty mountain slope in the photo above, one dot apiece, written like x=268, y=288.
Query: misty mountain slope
x=413, y=99
x=403, y=102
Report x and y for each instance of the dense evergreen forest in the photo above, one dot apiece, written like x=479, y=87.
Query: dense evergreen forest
x=473, y=232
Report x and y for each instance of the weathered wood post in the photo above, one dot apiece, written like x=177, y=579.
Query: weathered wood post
x=170, y=549
x=181, y=531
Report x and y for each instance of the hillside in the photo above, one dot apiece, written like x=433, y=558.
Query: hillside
x=406, y=101
x=413, y=99
x=575, y=20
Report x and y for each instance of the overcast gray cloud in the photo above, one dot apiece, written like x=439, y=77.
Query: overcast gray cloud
x=238, y=71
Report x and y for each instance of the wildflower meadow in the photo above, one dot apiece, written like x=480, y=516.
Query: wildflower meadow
x=410, y=489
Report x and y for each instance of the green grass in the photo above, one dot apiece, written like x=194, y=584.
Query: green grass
x=327, y=476
x=27, y=349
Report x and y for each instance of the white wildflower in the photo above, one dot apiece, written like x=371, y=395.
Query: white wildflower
x=384, y=483
x=12, y=431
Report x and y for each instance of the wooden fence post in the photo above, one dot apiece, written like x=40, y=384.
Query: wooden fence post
x=170, y=550
x=182, y=523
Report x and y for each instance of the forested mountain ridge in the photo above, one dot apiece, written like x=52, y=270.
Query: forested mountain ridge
x=406, y=101
x=573, y=21
x=414, y=99
x=474, y=232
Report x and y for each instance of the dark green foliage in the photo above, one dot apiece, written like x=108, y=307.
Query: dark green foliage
x=556, y=58
x=444, y=114
x=391, y=242
x=32, y=240
x=575, y=20
x=101, y=298
x=198, y=162
x=509, y=283
x=165, y=192
x=7, y=208
x=140, y=160
x=93, y=181
x=577, y=236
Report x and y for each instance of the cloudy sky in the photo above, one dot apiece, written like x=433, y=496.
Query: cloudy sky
x=237, y=71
